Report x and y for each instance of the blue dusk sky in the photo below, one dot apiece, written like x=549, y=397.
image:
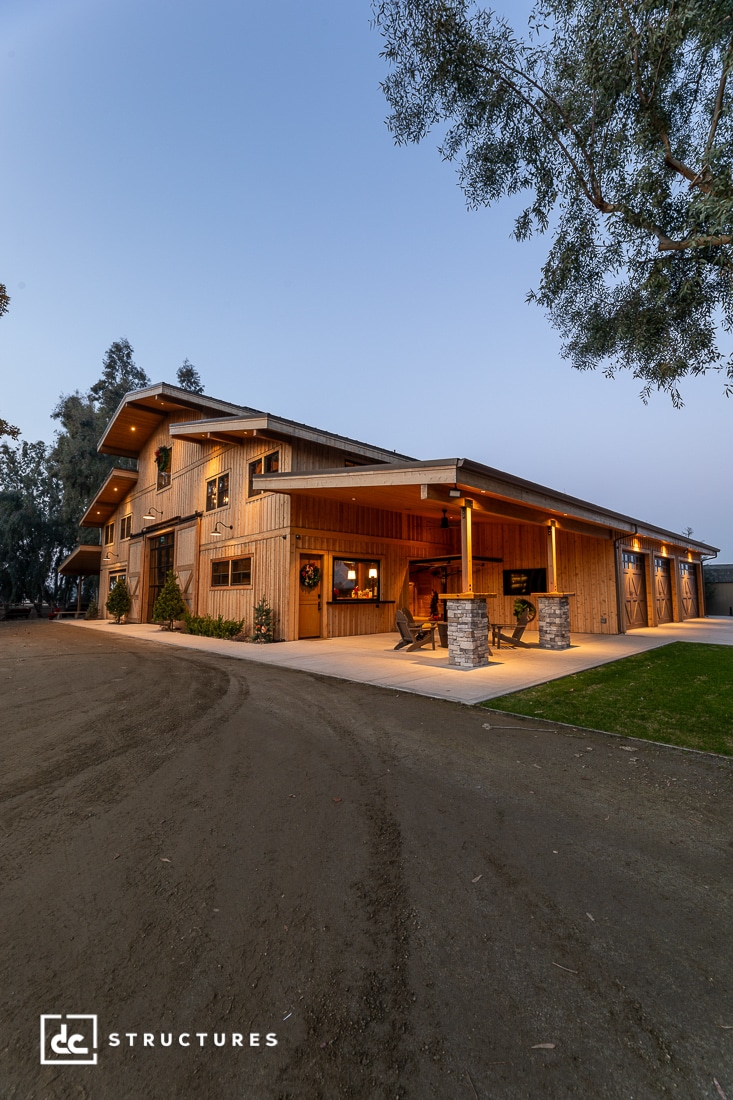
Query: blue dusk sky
x=217, y=182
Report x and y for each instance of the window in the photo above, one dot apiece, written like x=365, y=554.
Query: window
x=268, y=464
x=115, y=578
x=235, y=571
x=125, y=527
x=109, y=534
x=217, y=492
x=163, y=462
x=355, y=580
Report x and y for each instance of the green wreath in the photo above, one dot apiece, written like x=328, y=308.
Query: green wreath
x=310, y=575
x=163, y=459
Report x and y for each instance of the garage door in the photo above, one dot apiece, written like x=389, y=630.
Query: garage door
x=634, y=574
x=688, y=590
x=663, y=590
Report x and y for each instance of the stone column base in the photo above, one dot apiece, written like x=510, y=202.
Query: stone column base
x=468, y=632
x=554, y=619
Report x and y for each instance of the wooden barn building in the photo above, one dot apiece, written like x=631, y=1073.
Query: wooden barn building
x=339, y=534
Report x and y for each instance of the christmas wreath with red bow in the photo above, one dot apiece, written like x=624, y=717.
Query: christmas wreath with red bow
x=310, y=575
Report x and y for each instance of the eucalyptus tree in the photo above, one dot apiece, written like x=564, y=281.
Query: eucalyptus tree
x=613, y=118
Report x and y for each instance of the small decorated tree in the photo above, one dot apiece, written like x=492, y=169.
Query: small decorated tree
x=170, y=603
x=264, y=622
x=119, y=600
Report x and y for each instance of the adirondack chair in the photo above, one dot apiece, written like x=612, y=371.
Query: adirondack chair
x=515, y=638
x=413, y=636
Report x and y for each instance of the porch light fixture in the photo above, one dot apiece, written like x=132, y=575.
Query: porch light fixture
x=444, y=521
x=109, y=555
x=218, y=523
x=455, y=491
x=149, y=514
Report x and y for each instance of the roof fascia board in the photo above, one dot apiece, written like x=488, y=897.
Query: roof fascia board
x=116, y=471
x=284, y=428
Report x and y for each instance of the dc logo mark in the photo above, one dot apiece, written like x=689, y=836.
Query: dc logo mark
x=69, y=1040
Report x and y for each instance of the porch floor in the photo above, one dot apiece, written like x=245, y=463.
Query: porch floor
x=371, y=658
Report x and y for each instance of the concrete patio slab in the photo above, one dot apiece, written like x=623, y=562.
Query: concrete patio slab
x=372, y=659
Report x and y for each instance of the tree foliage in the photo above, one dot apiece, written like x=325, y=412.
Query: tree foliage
x=170, y=603
x=119, y=600
x=32, y=541
x=615, y=120
x=189, y=378
x=83, y=418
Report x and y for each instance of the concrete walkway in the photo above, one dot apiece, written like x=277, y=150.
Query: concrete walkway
x=371, y=658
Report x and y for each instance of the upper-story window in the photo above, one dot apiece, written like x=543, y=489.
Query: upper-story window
x=266, y=464
x=163, y=462
x=217, y=492
x=109, y=534
x=125, y=527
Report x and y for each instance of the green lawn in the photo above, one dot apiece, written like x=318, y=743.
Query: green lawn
x=680, y=694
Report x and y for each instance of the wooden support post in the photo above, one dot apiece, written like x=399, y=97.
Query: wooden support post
x=552, y=558
x=466, y=548
x=78, y=593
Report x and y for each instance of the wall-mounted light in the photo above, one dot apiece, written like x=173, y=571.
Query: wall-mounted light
x=109, y=555
x=218, y=534
x=150, y=513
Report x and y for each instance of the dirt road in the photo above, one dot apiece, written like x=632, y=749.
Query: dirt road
x=411, y=904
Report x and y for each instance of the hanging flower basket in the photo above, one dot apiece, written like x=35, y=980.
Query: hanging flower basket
x=163, y=459
x=310, y=575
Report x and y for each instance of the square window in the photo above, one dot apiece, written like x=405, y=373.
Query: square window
x=254, y=469
x=356, y=579
x=268, y=464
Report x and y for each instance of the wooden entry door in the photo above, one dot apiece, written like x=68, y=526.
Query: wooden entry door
x=634, y=589
x=310, y=611
x=663, y=590
x=688, y=590
x=161, y=560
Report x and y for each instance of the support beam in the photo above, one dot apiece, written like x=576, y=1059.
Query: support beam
x=466, y=547
x=552, y=558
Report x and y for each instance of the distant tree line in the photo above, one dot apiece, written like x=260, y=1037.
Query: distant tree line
x=45, y=490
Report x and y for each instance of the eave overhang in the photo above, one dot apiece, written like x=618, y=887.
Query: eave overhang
x=83, y=561
x=426, y=488
x=140, y=413
x=276, y=428
x=113, y=489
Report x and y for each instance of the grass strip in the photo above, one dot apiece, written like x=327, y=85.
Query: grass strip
x=679, y=694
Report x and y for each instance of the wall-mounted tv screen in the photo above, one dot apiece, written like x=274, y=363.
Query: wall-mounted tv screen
x=522, y=582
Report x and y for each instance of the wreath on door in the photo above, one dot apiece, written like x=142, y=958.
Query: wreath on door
x=310, y=575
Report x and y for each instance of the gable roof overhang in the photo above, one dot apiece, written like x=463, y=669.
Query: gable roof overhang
x=140, y=413
x=83, y=561
x=113, y=489
x=426, y=488
x=277, y=428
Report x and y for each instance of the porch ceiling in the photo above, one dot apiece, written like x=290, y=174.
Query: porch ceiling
x=113, y=489
x=83, y=561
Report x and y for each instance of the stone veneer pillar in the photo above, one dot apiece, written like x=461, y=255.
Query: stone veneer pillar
x=468, y=630
x=553, y=610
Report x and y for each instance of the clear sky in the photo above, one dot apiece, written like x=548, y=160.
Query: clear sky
x=217, y=182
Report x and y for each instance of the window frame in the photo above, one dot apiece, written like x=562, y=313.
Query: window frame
x=109, y=533
x=126, y=527
x=229, y=562
x=216, y=482
x=261, y=461
x=353, y=562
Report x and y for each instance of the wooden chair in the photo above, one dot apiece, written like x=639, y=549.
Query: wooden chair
x=515, y=638
x=412, y=635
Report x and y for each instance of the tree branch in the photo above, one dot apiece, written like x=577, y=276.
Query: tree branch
x=717, y=111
